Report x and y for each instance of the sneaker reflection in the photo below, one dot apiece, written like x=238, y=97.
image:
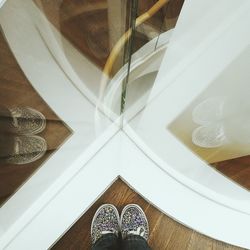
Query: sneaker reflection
x=18, y=142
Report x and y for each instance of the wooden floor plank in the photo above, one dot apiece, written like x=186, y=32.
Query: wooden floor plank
x=199, y=242
x=180, y=238
x=165, y=233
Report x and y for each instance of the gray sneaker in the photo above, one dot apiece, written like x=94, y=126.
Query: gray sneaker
x=105, y=220
x=134, y=222
x=27, y=149
x=27, y=121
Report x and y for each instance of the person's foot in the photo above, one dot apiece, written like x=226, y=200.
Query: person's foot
x=27, y=149
x=105, y=220
x=27, y=121
x=133, y=221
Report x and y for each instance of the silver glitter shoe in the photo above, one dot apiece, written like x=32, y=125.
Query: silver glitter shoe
x=27, y=121
x=27, y=149
x=105, y=220
x=134, y=222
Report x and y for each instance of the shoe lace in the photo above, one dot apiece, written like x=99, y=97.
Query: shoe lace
x=139, y=231
x=109, y=231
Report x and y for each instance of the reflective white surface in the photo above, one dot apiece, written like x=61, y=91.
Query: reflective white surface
x=145, y=150
x=227, y=55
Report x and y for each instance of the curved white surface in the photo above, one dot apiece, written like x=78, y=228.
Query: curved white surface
x=2, y=3
x=123, y=158
x=199, y=26
x=144, y=61
x=151, y=125
x=192, y=193
x=67, y=102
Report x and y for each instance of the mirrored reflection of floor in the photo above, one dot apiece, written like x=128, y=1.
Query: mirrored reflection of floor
x=165, y=232
x=217, y=123
x=92, y=26
x=85, y=25
x=16, y=91
x=236, y=169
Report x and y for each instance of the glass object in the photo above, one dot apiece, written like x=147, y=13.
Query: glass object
x=195, y=122
x=74, y=73
x=217, y=122
x=84, y=64
x=153, y=27
x=55, y=69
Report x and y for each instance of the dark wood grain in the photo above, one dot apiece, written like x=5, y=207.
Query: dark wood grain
x=16, y=91
x=237, y=169
x=165, y=233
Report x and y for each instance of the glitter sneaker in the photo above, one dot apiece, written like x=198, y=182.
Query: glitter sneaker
x=105, y=220
x=133, y=221
x=27, y=121
x=27, y=149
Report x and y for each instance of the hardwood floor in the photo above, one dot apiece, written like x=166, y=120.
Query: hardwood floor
x=16, y=91
x=237, y=169
x=165, y=233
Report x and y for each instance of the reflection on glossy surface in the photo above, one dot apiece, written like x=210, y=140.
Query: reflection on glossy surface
x=143, y=71
x=139, y=87
x=209, y=111
x=26, y=149
x=29, y=130
x=209, y=136
x=69, y=44
x=27, y=120
x=217, y=123
x=97, y=29
x=227, y=119
x=18, y=145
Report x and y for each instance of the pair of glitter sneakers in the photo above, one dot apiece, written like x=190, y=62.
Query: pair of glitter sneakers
x=132, y=221
x=28, y=147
